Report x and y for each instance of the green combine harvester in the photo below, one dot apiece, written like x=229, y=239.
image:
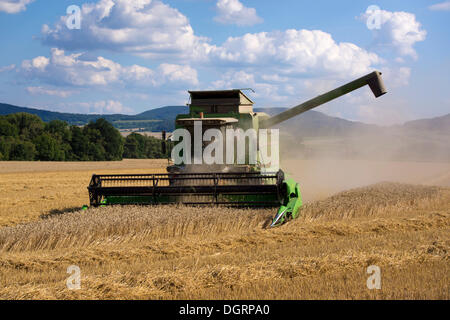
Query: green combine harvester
x=237, y=185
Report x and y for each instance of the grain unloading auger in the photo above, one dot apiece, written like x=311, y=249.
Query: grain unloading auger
x=246, y=184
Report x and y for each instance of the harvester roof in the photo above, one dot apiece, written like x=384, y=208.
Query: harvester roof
x=232, y=95
x=208, y=120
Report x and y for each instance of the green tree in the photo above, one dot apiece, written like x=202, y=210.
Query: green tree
x=48, y=148
x=102, y=133
x=5, y=146
x=59, y=129
x=6, y=128
x=61, y=132
x=28, y=125
x=26, y=137
x=96, y=152
x=79, y=144
x=22, y=150
x=131, y=147
x=138, y=146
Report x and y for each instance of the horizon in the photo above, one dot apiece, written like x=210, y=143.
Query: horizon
x=127, y=55
x=162, y=107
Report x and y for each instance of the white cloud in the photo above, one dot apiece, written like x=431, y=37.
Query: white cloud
x=51, y=92
x=315, y=87
x=234, y=12
x=274, y=78
x=295, y=52
x=177, y=73
x=78, y=70
x=230, y=80
x=265, y=93
x=286, y=68
x=95, y=107
x=61, y=69
x=442, y=6
x=399, y=30
x=397, y=77
x=110, y=106
x=7, y=68
x=152, y=29
x=14, y=6
x=359, y=105
x=146, y=27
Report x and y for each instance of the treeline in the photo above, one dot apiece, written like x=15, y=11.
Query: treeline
x=25, y=136
x=137, y=146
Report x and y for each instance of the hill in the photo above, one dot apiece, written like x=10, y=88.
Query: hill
x=314, y=123
x=153, y=120
x=437, y=124
x=310, y=123
x=46, y=116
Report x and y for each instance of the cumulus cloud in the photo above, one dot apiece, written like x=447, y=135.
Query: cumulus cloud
x=234, y=12
x=284, y=67
x=147, y=27
x=14, y=6
x=442, y=6
x=152, y=29
x=50, y=91
x=399, y=30
x=79, y=71
x=237, y=79
x=177, y=73
x=265, y=92
x=296, y=52
x=277, y=91
x=287, y=67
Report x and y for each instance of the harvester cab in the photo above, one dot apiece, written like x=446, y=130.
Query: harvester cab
x=229, y=112
x=244, y=183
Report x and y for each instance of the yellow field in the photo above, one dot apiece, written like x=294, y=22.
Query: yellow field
x=31, y=190
x=179, y=252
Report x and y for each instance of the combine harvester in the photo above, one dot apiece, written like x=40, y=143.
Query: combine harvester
x=240, y=185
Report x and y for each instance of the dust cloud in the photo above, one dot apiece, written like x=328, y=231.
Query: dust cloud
x=326, y=165
x=320, y=178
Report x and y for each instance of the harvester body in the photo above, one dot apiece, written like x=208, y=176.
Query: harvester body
x=224, y=110
x=243, y=184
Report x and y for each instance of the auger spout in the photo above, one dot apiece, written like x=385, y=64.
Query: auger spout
x=373, y=80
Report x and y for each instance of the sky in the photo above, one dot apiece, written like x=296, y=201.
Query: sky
x=129, y=56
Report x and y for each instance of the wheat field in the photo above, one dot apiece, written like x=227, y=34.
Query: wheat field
x=178, y=252
x=30, y=190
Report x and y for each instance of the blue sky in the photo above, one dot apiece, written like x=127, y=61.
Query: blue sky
x=131, y=56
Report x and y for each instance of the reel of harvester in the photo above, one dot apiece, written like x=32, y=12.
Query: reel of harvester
x=221, y=189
